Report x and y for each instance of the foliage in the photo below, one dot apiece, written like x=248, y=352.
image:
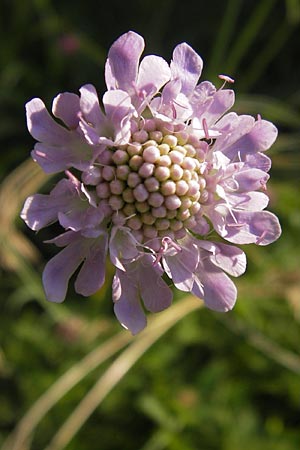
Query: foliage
x=208, y=381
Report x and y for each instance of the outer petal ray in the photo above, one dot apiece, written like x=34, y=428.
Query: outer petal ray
x=122, y=63
x=127, y=305
x=92, y=273
x=155, y=293
x=187, y=66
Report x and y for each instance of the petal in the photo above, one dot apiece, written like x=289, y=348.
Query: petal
x=170, y=92
x=154, y=72
x=122, y=245
x=258, y=138
x=41, y=210
x=243, y=227
x=53, y=159
x=118, y=110
x=66, y=107
x=111, y=82
x=251, y=201
x=251, y=179
x=127, y=305
x=202, y=97
x=80, y=211
x=36, y=213
x=41, y=125
x=59, y=270
x=122, y=63
x=155, y=293
x=222, y=101
x=219, y=292
x=89, y=104
x=263, y=135
x=80, y=216
x=258, y=161
x=228, y=257
x=92, y=273
x=187, y=66
x=180, y=267
x=233, y=129
x=64, y=239
x=117, y=105
x=92, y=135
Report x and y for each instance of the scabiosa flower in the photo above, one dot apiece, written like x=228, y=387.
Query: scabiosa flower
x=150, y=172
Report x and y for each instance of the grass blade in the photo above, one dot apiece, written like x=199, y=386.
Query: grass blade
x=119, y=368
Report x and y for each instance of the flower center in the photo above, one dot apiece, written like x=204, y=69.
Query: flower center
x=155, y=183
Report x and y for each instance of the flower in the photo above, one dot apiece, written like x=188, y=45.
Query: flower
x=159, y=166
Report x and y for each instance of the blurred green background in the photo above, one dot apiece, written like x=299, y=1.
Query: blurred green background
x=198, y=381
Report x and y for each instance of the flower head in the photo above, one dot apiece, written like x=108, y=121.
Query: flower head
x=159, y=166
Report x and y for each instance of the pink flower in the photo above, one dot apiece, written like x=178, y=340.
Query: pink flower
x=160, y=165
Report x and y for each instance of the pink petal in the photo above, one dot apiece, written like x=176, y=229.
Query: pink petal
x=233, y=129
x=92, y=273
x=118, y=110
x=64, y=239
x=41, y=125
x=41, y=210
x=56, y=158
x=170, y=91
x=59, y=270
x=154, y=72
x=92, y=135
x=261, y=227
x=89, y=104
x=127, y=305
x=122, y=63
x=187, y=66
x=66, y=107
x=258, y=161
x=155, y=293
x=250, y=179
x=117, y=105
x=250, y=201
x=227, y=257
x=263, y=135
x=202, y=97
x=214, y=105
x=245, y=141
x=36, y=213
x=51, y=158
x=122, y=246
x=80, y=216
x=180, y=267
x=219, y=292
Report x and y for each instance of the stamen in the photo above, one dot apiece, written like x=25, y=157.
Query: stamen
x=41, y=154
x=261, y=238
x=73, y=179
x=236, y=225
x=180, y=105
x=166, y=242
x=226, y=79
x=205, y=128
x=263, y=185
x=174, y=111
